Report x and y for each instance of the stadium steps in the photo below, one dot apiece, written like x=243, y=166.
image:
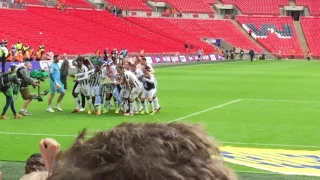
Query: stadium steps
x=292, y=2
x=249, y=37
x=301, y=36
x=306, y=11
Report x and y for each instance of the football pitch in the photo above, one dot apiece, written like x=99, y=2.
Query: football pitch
x=261, y=105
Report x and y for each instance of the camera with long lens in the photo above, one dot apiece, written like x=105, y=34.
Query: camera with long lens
x=40, y=76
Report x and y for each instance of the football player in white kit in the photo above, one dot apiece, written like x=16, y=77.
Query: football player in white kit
x=83, y=86
x=149, y=68
x=133, y=85
x=148, y=91
x=110, y=90
x=94, y=85
x=139, y=74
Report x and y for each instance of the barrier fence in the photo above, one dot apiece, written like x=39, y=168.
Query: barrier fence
x=156, y=59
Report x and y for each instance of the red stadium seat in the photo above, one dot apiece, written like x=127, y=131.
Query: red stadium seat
x=273, y=42
x=311, y=31
x=192, y=30
x=268, y=7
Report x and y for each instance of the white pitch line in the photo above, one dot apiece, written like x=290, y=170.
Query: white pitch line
x=282, y=100
x=224, y=143
x=193, y=65
x=36, y=134
x=261, y=144
x=206, y=110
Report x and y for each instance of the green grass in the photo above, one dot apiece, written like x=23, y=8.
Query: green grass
x=190, y=89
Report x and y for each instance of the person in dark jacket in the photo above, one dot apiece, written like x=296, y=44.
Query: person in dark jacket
x=251, y=54
x=64, y=71
x=241, y=54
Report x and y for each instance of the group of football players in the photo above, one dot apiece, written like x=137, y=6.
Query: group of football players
x=130, y=83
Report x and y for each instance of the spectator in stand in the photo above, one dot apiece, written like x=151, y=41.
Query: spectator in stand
x=38, y=55
x=50, y=55
x=64, y=71
x=18, y=56
x=119, y=13
x=59, y=5
x=42, y=49
x=293, y=52
x=97, y=53
x=141, y=52
x=173, y=12
x=125, y=53
x=191, y=46
x=25, y=48
x=263, y=54
x=5, y=43
x=231, y=53
x=279, y=54
x=26, y=56
x=32, y=53
x=19, y=45
x=114, y=10
x=108, y=8
x=13, y=49
x=227, y=54
x=105, y=54
x=241, y=54
x=3, y=54
x=186, y=46
x=308, y=53
x=251, y=54
x=180, y=14
x=167, y=12
x=10, y=57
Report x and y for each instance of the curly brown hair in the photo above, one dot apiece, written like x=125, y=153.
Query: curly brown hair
x=150, y=151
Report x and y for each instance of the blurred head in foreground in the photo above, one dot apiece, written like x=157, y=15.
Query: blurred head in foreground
x=142, y=152
x=34, y=163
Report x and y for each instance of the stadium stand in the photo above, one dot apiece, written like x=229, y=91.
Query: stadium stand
x=160, y=26
x=313, y=5
x=191, y=30
x=267, y=7
x=82, y=31
x=284, y=38
x=192, y=6
x=223, y=29
x=137, y=5
x=311, y=31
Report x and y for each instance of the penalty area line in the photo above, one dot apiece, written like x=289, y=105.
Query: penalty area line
x=281, y=100
x=206, y=110
x=262, y=144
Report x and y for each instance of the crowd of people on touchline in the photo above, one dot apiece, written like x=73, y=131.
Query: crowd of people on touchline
x=131, y=84
x=131, y=151
x=20, y=52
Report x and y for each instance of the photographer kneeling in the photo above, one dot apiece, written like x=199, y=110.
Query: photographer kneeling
x=24, y=90
x=11, y=88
